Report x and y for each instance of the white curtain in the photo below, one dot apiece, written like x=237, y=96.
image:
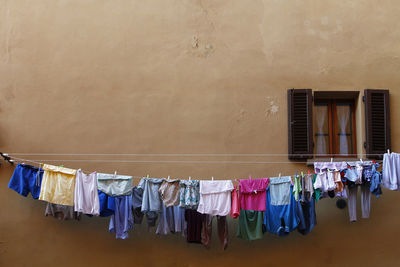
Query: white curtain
x=343, y=114
x=320, y=118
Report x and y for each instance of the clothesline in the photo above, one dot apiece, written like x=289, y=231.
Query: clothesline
x=182, y=154
x=40, y=161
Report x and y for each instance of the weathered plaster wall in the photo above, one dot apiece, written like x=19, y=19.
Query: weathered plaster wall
x=98, y=76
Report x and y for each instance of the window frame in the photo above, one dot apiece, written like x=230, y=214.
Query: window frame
x=332, y=101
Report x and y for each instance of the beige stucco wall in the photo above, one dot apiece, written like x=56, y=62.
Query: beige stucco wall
x=96, y=76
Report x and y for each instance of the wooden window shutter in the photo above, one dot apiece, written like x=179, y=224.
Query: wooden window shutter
x=300, y=124
x=377, y=122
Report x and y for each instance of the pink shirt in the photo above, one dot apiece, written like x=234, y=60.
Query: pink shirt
x=252, y=194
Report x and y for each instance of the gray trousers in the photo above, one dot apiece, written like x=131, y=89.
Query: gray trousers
x=365, y=201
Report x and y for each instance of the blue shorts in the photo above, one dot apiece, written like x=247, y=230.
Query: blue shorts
x=25, y=179
x=306, y=214
x=281, y=219
x=107, y=206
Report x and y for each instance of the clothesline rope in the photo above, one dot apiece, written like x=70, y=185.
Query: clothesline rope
x=183, y=155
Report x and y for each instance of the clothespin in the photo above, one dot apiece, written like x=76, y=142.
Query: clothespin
x=212, y=178
x=168, y=177
x=331, y=160
x=302, y=174
x=361, y=160
x=148, y=176
x=190, y=178
x=249, y=176
x=388, y=151
x=279, y=175
x=308, y=172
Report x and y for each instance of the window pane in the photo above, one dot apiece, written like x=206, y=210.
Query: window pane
x=321, y=136
x=344, y=128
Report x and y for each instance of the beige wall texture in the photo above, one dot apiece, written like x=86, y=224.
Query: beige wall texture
x=183, y=76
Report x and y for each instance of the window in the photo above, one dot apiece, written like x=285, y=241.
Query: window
x=327, y=126
x=334, y=126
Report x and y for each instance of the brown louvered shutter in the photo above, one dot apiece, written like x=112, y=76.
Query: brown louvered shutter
x=377, y=122
x=300, y=124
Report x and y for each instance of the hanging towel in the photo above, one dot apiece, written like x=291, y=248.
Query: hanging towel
x=215, y=197
x=189, y=194
x=151, y=203
x=86, y=198
x=114, y=185
x=58, y=185
x=252, y=194
x=235, y=207
x=169, y=192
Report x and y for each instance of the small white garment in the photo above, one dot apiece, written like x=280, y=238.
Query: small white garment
x=215, y=197
x=86, y=198
x=391, y=171
x=325, y=181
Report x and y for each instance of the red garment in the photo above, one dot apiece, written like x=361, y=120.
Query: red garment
x=252, y=194
x=235, y=208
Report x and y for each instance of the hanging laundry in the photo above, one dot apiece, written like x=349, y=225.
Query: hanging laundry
x=106, y=207
x=151, y=203
x=317, y=191
x=330, y=165
x=194, y=221
x=338, y=181
x=305, y=211
x=206, y=232
x=86, y=198
x=391, y=171
x=352, y=201
x=189, y=191
x=324, y=181
x=296, y=187
x=58, y=185
x=26, y=179
x=250, y=225
x=376, y=180
x=114, y=185
x=280, y=216
x=122, y=219
x=252, y=194
x=308, y=186
x=169, y=192
x=235, y=206
x=172, y=220
x=61, y=212
x=215, y=197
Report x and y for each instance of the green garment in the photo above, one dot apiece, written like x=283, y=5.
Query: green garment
x=296, y=187
x=250, y=224
x=317, y=192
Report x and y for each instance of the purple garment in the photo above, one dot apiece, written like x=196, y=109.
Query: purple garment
x=122, y=219
x=330, y=165
x=172, y=220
